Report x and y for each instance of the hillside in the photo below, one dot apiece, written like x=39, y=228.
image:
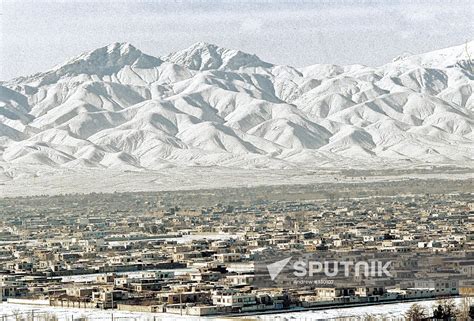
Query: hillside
x=119, y=108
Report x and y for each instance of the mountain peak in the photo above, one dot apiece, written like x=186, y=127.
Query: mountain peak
x=105, y=109
x=107, y=60
x=102, y=61
x=455, y=56
x=123, y=47
x=207, y=56
x=203, y=44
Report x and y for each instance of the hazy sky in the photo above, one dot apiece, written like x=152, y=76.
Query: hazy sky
x=36, y=35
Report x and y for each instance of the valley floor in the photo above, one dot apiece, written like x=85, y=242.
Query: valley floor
x=47, y=182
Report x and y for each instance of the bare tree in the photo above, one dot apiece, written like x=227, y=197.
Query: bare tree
x=416, y=313
x=445, y=309
x=464, y=308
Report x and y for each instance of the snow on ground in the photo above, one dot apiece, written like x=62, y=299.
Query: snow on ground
x=195, y=178
x=68, y=314
x=393, y=312
x=117, y=108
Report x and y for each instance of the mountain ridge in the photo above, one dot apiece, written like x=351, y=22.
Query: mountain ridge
x=117, y=107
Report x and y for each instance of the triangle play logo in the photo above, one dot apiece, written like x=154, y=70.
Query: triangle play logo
x=274, y=269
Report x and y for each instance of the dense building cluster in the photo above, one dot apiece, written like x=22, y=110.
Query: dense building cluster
x=159, y=252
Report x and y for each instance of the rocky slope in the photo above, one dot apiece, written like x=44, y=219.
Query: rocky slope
x=117, y=107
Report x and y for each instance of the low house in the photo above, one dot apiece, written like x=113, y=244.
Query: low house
x=233, y=299
x=329, y=293
x=227, y=257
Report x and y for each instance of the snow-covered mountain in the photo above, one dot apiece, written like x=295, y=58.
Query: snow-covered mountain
x=117, y=107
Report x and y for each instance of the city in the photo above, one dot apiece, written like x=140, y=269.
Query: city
x=194, y=253
x=265, y=160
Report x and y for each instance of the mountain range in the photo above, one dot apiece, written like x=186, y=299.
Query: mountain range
x=119, y=108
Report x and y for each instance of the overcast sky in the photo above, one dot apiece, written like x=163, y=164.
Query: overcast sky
x=37, y=35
